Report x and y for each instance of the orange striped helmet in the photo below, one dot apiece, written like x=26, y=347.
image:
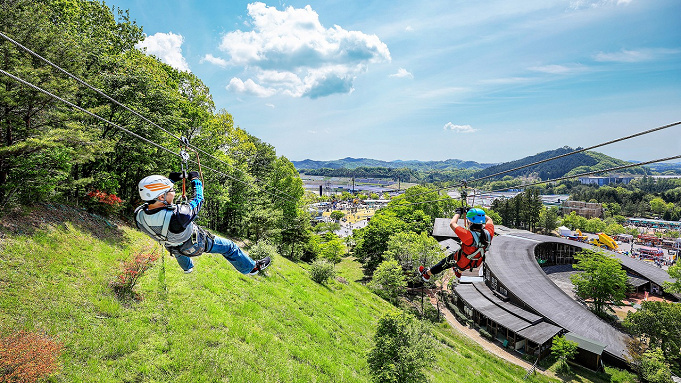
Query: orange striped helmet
x=153, y=186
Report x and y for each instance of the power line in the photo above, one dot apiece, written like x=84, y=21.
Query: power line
x=118, y=126
x=82, y=82
x=464, y=183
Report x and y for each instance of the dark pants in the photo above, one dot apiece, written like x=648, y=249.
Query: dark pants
x=445, y=263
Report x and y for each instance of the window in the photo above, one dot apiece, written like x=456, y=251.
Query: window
x=494, y=283
x=503, y=291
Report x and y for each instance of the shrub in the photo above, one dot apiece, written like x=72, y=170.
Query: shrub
x=28, y=357
x=101, y=202
x=261, y=250
x=124, y=284
x=321, y=271
x=486, y=334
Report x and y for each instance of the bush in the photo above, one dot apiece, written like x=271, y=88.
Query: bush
x=28, y=357
x=486, y=335
x=321, y=271
x=101, y=202
x=261, y=250
x=124, y=284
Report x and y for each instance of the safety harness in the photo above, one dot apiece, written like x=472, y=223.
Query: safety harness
x=481, y=249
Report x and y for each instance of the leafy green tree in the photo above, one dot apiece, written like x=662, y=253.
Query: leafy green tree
x=563, y=350
x=654, y=368
x=402, y=349
x=548, y=219
x=658, y=205
x=372, y=240
x=337, y=215
x=411, y=250
x=674, y=272
x=658, y=323
x=603, y=280
x=594, y=225
x=388, y=280
x=332, y=250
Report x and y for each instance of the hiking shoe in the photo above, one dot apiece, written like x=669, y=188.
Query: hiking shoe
x=189, y=271
x=424, y=274
x=261, y=264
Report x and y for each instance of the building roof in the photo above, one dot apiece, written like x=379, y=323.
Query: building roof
x=511, y=259
x=480, y=297
x=586, y=344
x=449, y=245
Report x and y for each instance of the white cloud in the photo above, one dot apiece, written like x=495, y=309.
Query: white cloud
x=214, y=60
x=409, y=28
x=402, y=73
x=270, y=105
x=560, y=69
x=581, y=4
x=167, y=47
x=290, y=52
x=249, y=87
x=634, y=56
x=459, y=128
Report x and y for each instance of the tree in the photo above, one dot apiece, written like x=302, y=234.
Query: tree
x=563, y=350
x=548, y=219
x=372, y=240
x=658, y=323
x=402, y=349
x=388, y=280
x=603, y=280
x=658, y=205
x=675, y=273
x=654, y=368
x=337, y=215
x=411, y=250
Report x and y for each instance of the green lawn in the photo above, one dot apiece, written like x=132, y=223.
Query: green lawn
x=213, y=325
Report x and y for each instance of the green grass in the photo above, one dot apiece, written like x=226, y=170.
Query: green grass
x=213, y=325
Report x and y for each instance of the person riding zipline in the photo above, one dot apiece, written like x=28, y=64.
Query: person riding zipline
x=475, y=240
x=173, y=225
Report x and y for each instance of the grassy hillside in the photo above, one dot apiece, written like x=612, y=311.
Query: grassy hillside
x=213, y=325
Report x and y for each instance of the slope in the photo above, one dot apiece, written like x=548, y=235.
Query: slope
x=213, y=325
x=569, y=165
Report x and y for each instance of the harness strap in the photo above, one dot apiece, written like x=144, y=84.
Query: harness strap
x=163, y=236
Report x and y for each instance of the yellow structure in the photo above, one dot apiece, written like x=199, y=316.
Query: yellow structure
x=604, y=241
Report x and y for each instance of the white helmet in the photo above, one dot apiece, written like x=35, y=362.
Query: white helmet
x=153, y=186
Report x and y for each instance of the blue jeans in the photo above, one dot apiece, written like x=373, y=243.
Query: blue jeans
x=240, y=260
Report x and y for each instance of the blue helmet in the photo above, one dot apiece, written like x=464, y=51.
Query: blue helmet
x=476, y=215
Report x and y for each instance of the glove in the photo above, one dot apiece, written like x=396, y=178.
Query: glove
x=175, y=176
x=461, y=210
x=193, y=176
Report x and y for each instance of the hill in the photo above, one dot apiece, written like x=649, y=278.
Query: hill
x=570, y=165
x=213, y=325
x=353, y=163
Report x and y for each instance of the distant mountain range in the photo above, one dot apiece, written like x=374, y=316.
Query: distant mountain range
x=353, y=163
x=569, y=165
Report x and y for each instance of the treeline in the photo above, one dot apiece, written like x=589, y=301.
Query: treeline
x=646, y=197
x=395, y=174
x=50, y=152
x=569, y=165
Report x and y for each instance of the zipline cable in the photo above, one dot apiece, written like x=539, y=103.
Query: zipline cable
x=462, y=183
x=57, y=67
x=35, y=87
x=543, y=182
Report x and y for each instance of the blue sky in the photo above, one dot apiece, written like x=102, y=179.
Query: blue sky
x=487, y=81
